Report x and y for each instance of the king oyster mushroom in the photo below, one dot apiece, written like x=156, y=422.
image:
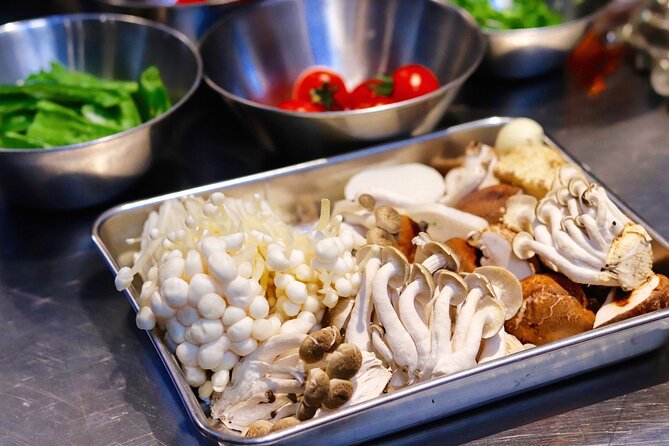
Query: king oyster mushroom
x=579, y=232
x=650, y=296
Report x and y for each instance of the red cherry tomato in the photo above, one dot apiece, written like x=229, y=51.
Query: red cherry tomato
x=411, y=81
x=372, y=92
x=301, y=106
x=322, y=87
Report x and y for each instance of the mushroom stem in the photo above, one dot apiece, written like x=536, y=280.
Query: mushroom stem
x=357, y=330
x=567, y=266
x=440, y=324
x=399, y=341
x=380, y=346
x=464, y=319
x=414, y=324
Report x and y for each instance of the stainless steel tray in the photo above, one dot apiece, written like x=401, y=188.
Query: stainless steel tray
x=426, y=401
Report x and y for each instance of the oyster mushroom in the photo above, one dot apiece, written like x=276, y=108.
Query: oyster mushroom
x=475, y=172
x=434, y=255
x=416, y=294
x=393, y=273
x=495, y=243
x=505, y=286
x=451, y=290
x=358, y=328
x=650, y=296
x=478, y=288
x=259, y=384
x=487, y=321
x=579, y=232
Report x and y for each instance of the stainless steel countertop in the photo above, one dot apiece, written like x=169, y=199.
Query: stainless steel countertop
x=75, y=370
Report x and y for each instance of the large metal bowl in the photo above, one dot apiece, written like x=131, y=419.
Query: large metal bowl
x=110, y=46
x=254, y=55
x=192, y=19
x=522, y=53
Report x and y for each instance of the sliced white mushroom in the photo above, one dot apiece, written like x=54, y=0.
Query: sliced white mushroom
x=420, y=184
x=651, y=295
x=444, y=223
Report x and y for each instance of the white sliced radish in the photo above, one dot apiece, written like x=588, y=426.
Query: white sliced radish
x=444, y=222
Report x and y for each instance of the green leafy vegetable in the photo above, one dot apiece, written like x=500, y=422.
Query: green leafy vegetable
x=62, y=107
x=520, y=14
x=152, y=98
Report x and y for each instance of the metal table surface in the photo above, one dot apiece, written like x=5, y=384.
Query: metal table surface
x=75, y=370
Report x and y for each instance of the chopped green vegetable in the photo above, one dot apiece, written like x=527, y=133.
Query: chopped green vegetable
x=520, y=14
x=61, y=107
x=152, y=98
x=61, y=75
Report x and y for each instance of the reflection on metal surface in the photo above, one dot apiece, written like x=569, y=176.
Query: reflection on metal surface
x=648, y=33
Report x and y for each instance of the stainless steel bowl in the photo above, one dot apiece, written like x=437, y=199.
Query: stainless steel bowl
x=253, y=56
x=191, y=19
x=522, y=53
x=107, y=45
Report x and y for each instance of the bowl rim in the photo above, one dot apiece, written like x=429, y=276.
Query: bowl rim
x=106, y=17
x=547, y=29
x=463, y=14
x=143, y=5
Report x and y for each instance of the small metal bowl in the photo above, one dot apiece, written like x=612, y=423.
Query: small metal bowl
x=113, y=47
x=192, y=19
x=522, y=53
x=254, y=55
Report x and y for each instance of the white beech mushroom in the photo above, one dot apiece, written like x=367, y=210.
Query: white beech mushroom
x=475, y=172
x=582, y=234
x=487, y=321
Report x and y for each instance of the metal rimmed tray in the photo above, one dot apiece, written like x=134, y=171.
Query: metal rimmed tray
x=425, y=401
